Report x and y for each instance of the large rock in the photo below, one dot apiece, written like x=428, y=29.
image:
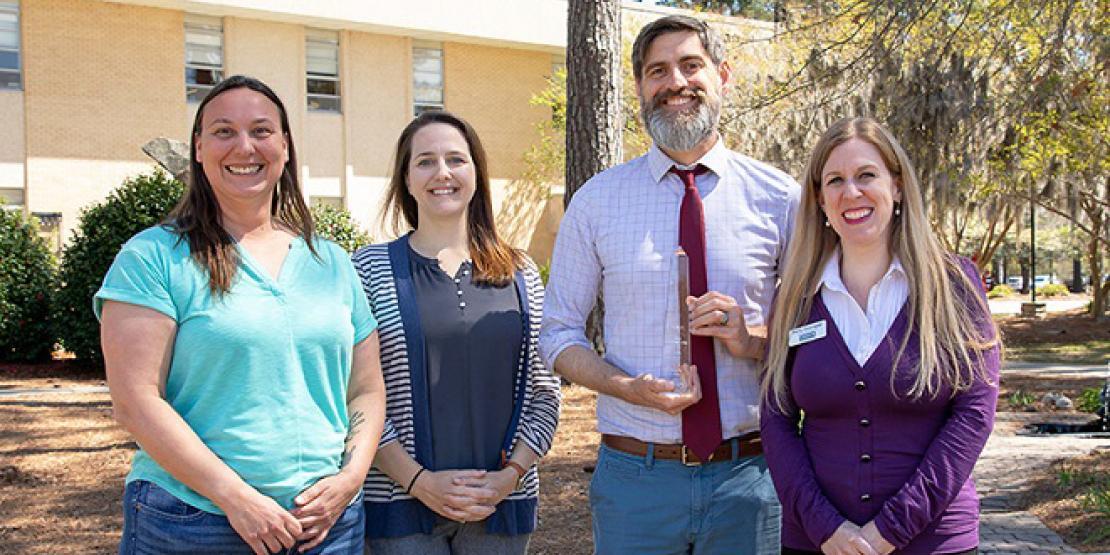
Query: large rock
x=171, y=154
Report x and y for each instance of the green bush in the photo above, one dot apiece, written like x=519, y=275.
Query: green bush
x=1088, y=400
x=26, y=290
x=140, y=202
x=1000, y=290
x=1052, y=290
x=336, y=224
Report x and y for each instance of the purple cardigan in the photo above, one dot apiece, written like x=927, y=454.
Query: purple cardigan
x=865, y=454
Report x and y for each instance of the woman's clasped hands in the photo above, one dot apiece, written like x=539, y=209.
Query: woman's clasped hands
x=850, y=539
x=464, y=495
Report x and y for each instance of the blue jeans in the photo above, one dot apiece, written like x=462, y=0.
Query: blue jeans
x=156, y=522
x=645, y=506
x=451, y=538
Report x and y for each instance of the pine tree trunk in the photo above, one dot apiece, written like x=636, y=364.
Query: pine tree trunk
x=593, y=90
x=594, y=126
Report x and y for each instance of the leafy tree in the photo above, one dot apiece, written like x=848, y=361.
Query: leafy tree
x=756, y=9
x=336, y=224
x=140, y=202
x=26, y=290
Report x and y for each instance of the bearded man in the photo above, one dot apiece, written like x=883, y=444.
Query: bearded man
x=680, y=466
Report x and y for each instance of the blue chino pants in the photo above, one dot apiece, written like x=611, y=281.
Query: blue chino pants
x=645, y=506
x=156, y=522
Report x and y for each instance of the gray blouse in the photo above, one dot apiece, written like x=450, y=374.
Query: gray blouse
x=472, y=337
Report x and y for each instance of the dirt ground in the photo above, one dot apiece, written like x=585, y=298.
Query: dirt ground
x=1061, y=337
x=63, y=459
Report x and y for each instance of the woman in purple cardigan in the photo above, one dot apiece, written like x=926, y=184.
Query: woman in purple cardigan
x=883, y=363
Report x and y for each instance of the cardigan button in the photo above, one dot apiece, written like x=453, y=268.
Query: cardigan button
x=864, y=422
x=860, y=385
x=865, y=458
x=865, y=497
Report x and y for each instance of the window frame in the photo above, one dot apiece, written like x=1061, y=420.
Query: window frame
x=202, y=25
x=330, y=39
x=12, y=7
x=418, y=105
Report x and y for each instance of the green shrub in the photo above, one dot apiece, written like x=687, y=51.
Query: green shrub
x=1088, y=400
x=26, y=290
x=1021, y=399
x=1052, y=290
x=140, y=202
x=1000, y=290
x=545, y=272
x=336, y=224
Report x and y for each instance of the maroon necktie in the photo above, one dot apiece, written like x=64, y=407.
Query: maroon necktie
x=701, y=422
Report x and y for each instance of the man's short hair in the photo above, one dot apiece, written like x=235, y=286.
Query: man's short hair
x=710, y=40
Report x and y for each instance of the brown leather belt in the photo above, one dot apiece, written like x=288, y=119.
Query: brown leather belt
x=749, y=444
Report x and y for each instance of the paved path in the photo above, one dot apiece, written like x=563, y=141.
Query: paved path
x=32, y=391
x=1009, y=306
x=1057, y=370
x=1011, y=459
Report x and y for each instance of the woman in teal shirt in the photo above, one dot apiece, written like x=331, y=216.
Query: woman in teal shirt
x=242, y=355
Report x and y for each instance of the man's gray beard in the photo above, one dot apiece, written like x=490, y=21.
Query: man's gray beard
x=681, y=132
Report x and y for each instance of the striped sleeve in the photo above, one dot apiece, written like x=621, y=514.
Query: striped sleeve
x=543, y=396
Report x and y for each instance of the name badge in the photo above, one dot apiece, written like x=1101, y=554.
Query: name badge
x=807, y=333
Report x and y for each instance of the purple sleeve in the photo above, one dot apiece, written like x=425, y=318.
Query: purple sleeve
x=950, y=458
x=795, y=482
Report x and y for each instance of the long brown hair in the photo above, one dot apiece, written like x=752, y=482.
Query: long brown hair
x=943, y=305
x=494, y=259
x=197, y=217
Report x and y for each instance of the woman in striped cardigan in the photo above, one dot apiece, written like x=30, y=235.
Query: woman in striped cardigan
x=470, y=406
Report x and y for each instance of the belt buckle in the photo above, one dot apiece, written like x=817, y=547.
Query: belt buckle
x=686, y=459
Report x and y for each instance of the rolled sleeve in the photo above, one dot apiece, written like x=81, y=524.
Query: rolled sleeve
x=137, y=278
x=362, y=318
x=389, y=434
x=573, y=284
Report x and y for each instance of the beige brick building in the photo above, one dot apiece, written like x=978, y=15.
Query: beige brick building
x=85, y=83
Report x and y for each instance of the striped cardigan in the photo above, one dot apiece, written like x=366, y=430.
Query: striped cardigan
x=390, y=512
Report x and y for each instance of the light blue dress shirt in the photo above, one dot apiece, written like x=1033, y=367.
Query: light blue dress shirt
x=618, y=237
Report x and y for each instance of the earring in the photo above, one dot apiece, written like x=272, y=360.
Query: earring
x=897, y=209
x=827, y=223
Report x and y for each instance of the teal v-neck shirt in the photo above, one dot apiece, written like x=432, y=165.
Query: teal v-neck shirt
x=260, y=374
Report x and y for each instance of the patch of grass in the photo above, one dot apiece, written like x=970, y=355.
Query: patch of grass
x=1088, y=400
x=1096, y=499
x=999, y=291
x=1021, y=399
x=1073, y=498
x=1095, y=351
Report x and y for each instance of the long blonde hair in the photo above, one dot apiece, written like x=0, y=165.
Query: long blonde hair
x=944, y=306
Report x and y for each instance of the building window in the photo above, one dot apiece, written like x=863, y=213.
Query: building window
x=10, y=78
x=334, y=202
x=427, y=77
x=204, y=55
x=322, y=66
x=11, y=198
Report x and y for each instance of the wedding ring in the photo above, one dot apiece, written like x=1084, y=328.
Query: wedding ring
x=724, y=318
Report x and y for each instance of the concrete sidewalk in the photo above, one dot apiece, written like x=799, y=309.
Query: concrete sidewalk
x=1011, y=306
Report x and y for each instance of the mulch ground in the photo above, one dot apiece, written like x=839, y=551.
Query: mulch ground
x=1074, y=496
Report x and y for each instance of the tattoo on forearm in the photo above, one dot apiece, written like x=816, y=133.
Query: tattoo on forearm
x=357, y=420
x=348, y=452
